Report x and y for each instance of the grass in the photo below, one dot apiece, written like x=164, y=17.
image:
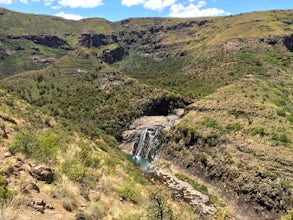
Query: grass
x=5, y=193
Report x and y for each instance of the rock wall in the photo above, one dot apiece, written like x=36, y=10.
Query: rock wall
x=288, y=41
x=253, y=190
x=46, y=40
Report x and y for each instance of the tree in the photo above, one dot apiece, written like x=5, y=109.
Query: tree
x=159, y=208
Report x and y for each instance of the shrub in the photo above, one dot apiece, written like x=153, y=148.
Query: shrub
x=281, y=112
x=88, y=158
x=211, y=123
x=67, y=197
x=233, y=127
x=5, y=193
x=24, y=142
x=129, y=193
x=257, y=131
x=49, y=143
x=43, y=147
x=74, y=170
x=290, y=117
x=288, y=216
x=95, y=211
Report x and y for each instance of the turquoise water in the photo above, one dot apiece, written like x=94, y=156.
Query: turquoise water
x=142, y=163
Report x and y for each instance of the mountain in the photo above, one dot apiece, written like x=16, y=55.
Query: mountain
x=89, y=80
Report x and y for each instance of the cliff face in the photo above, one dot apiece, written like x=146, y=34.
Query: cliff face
x=45, y=40
x=288, y=41
x=148, y=41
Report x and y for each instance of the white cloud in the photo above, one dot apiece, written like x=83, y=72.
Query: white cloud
x=6, y=2
x=80, y=3
x=24, y=1
x=158, y=4
x=194, y=10
x=130, y=3
x=48, y=2
x=149, y=4
x=69, y=16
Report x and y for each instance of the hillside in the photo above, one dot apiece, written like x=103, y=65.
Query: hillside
x=49, y=171
x=85, y=82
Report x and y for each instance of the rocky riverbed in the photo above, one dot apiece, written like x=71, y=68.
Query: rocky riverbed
x=142, y=142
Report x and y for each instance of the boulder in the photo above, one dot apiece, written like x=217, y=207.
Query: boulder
x=80, y=216
x=112, y=56
x=43, y=173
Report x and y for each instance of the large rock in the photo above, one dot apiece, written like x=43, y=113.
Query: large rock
x=288, y=41
x=112, y=56
x=46, y=40
x=96, y=40
x=42, y=173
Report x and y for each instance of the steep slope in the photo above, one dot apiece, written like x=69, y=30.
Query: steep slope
x=82, y=91
x=213, y=52
x=29, y=41
x=241, y=140
x=49, y=171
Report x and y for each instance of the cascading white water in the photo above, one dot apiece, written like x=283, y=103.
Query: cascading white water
x=141, y=143
x=153, y=144
x=149, y=143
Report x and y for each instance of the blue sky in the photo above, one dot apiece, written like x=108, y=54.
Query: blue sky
x=115, y=10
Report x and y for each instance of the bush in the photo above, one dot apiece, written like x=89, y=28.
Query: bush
x=95, y=211
x=211, y=123
x=288, y=216
x=87, y=156
x=67, y=197
x=290, y=117
x=43, y=147
x=24, y=142
x=281, y=112
x=233, y=127
x=49, y=143
x=257, y=131
x=74, y=170
x=129, y=193
x=5, y=193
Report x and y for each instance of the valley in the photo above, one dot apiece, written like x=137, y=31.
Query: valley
x=83, y=102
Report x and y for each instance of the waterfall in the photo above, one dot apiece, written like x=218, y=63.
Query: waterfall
x=149, y=143
x=141, y=143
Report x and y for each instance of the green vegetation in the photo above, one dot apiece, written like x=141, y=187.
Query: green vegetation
x=281, y=112
x=42, y=147
x=288, y=216
x=159, y=208
x=129, y=192
x=5, y=193
x=105, y=99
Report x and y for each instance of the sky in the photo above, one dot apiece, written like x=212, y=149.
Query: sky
x=115, y=10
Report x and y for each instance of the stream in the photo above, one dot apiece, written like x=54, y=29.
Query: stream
x=142, y=143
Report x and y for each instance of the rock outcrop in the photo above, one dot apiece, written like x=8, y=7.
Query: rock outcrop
x=46, y=40
x=288, y=41
x=112, y=56
x=42, y=173
x=97, y=40
x=257, y=193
